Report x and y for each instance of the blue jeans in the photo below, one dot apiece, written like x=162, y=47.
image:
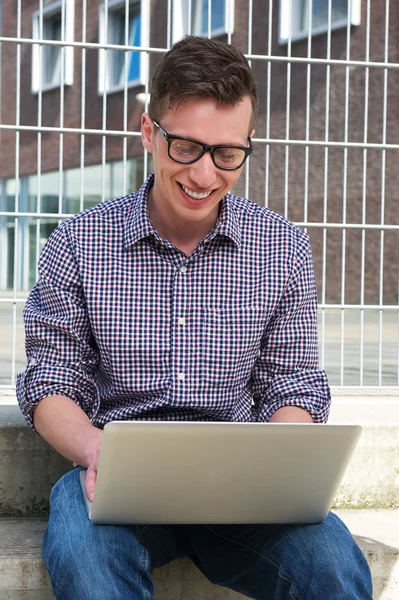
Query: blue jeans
x=273, y=562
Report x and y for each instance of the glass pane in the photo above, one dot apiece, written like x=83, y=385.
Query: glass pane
x=217, y=15
x=134, y=40
x=9, y=197
x=49, y=191
x=339, y=10
x=116, y=35
x=199, y=16
x=92, y=187
x=52, y=30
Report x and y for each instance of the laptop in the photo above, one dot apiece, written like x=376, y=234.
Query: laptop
x=156, y=472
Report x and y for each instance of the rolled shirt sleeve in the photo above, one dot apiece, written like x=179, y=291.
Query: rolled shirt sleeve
x=287, y=371
x=62, y=357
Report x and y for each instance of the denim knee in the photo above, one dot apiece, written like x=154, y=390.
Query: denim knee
x=88, y=561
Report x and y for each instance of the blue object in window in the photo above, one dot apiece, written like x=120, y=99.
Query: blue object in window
x=217, y=15
x=134, y=40
x=339, y=10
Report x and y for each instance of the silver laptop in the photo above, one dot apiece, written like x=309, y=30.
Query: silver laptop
x=215, y=473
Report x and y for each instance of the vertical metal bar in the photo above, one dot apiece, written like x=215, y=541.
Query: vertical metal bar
x=17, y=192
x=229, y=10
x=288, y=114
x=83, y=107
x=383, y=175
x=39, y=140
x=307, y=117
x=146, y=98
x=104, y=104
x=344, y=195
x=325, y=191
x=364, y=195
x=125, y=101
x=62, y=90
x=209, y=19
x=268, y=97
x=168, y=25
x=190, y=21
x=250, y=12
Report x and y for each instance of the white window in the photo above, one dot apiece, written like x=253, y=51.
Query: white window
x=55, y=22
x=124, y=24
x=295, y=16
x=208, y=18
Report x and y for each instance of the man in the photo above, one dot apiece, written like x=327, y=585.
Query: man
x=180, y=302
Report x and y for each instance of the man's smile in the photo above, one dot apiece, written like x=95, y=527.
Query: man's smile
x=195, y=195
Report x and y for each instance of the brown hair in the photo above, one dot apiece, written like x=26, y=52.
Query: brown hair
x=197, y=67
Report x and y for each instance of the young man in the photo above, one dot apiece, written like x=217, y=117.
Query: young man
x=181, y=302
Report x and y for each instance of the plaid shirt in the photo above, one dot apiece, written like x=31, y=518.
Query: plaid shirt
x=129, y=327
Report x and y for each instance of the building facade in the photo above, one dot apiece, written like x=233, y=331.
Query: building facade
x=326, y=143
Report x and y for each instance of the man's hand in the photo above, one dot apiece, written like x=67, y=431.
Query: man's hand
x=91, y=478
x=68, y=429
x=291, y=414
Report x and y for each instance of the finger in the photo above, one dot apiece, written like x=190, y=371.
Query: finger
x=91, y=477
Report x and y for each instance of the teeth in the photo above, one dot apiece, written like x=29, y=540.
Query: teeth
x=194, y=194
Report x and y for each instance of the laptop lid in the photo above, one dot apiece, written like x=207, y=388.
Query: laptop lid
x=215, y=473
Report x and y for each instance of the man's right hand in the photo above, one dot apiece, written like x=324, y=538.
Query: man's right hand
x=66, y=427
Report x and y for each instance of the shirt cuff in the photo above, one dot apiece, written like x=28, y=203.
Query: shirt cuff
x=40, y=380
x=307, y=390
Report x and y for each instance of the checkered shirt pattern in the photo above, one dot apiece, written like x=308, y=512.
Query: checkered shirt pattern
x=129, y=327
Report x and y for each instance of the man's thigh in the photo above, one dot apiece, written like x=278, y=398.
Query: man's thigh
x=282, y=561
x=69, y=526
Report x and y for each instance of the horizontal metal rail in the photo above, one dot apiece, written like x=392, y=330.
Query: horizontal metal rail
x=261, y=57
x=271, y=141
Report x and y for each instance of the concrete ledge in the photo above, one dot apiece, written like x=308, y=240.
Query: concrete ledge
x=23, y=576
x=29, y=467
x=371, y=480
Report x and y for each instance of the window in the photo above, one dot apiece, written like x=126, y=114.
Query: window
x=55, y=22
x=124, y=24
x=208, y=18
x=295, y=16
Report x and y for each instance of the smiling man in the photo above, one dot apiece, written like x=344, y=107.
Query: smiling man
x=181, y=302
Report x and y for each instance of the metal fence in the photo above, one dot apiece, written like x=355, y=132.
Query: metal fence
x=303, y=45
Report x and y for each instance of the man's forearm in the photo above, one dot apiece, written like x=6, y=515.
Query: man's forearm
x=66, y=427
x=291, y=414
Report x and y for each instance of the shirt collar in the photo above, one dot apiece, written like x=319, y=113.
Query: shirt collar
x=138, y=224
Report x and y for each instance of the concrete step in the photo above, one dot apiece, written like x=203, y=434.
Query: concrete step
x=29, y=466
x=23, y=576
x=372, y=477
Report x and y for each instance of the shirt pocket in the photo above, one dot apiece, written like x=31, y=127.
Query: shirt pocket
x=231, y=343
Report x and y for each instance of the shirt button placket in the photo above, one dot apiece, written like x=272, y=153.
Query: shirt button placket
x=181, y=321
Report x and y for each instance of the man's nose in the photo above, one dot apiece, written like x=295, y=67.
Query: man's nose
x=203, y=172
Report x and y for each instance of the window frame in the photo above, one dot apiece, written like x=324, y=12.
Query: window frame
x=296, y=35
x=67, y=35
x=180, y=7
x=104, y=87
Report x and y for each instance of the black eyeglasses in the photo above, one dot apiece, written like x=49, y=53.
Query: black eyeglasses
x=186, y=151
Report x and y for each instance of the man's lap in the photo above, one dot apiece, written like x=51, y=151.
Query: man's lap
x=268, y=552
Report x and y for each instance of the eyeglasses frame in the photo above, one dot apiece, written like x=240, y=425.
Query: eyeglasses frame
x=205, y=148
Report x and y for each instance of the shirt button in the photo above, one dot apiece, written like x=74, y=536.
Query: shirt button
x=32, y=362
x=182, y=321
x=180, y=376
x=183, y=269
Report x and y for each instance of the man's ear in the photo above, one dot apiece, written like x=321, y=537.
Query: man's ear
x=147, y=132
x=251, y=135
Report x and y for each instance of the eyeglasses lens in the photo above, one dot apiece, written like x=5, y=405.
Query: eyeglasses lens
x=185, y=152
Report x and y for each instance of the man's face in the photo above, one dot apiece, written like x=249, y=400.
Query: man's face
x=186, y=193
